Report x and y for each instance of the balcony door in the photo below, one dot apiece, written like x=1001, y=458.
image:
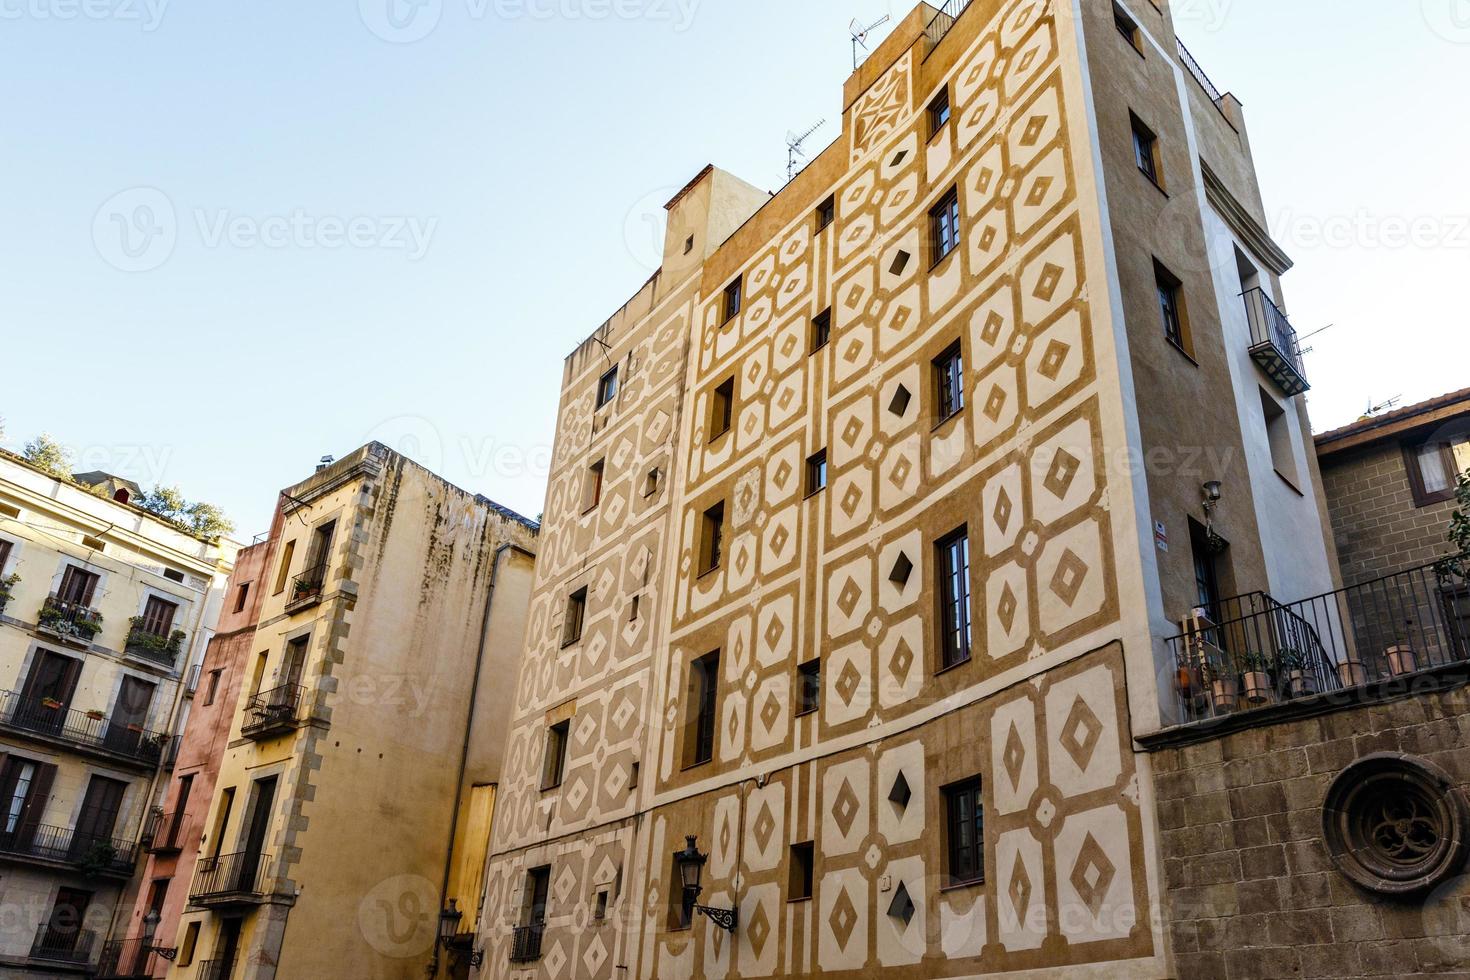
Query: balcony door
x=46, y=697
x=25, y=787
x=64, y=926
x=78, y=586
x=129, y=712
x=263, y=798
x=226, y=948
x=98, y=817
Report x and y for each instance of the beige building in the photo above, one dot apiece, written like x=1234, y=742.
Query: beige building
x=874, y=512
x=102, y=607
x=367, y=734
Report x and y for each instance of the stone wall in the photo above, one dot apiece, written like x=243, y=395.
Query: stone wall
x=1250, y=887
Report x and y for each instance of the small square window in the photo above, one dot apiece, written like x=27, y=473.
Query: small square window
x=944, y=225
x=555, y=764
x=965, y=833
x=650, y=483
x=712, y=532
x=721, y=408
x=939, y=112
x=733, y=297
x=1146, y=151
x=242, y=595
x=799, y=877
x=1128, y=28
x=607, y=387
x=571, y=630
x=1435, y=468
x=599, y=913
x=826, y=212
x=816, y=472
x=633, y=608
x=689, y=245
x=949, y=382
x=1171, y=307
x=821, y=329
x=809, y=687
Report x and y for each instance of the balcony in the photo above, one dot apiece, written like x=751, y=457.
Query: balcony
x=939, y=25
x=69, y=622
x=154, y=647
x=1266, y=659
x=215, y=969
x=525, y=944
x=272, y=713
x=230, y=880
x=56, y=944
x=164, y=834
x=48, y=721
x=126, y=959
x=306, y=589
x=58, y=846
x=1274, y=345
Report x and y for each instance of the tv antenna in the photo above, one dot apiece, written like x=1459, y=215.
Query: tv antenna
x=1378, y=409
x=794, y=151
x=1306, y=337
x=860, y=35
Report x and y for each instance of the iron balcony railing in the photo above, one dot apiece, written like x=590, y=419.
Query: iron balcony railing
x=164, y=833
x=126, y=959
x=1411, y=621
x=215, y=969
x=525, y=943
x=159, y=648
x=1274, y=343
x=1195, y=70
x=230, y=877
x=63, y=945
x=272, y=712
x=939, y=25
x=69, y=620
x=306, y=588
x=90, y=851
x=90, y=730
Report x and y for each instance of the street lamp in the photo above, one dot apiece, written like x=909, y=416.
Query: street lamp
x=691, y=868
x=449, y=937
x=150, y=928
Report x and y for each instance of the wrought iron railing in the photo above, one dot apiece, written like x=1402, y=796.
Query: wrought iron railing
x=69, y=620
x=164, y=833
x=91, y=851
x=126, y=959
x=160, y=648
x=525, y=943
x=1274, y=342
x=272, y=711
x=306, y=588
x=939, y=25
x=1387, y=628
x=1195, y=70
x=62, y=945
x=84, y=729
x=225, y=876
x=215, y=969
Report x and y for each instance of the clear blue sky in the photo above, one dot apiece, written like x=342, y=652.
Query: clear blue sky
x=486, y=191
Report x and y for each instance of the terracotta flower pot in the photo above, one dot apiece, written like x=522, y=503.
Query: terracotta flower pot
x=1224, y=692
x=1352, y=673
x=1301, y=683
x=1401, y=660
x=1257, y=686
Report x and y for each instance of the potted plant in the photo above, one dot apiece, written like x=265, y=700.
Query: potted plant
x=1352, y=672
x=99, y=857
x=7, y=589
x=1401, y=660
x=1256, y=678
x=51, y=704
x=96, y=714
x=1300, y=680
x=1224, y=684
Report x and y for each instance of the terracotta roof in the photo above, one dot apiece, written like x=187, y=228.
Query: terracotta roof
x=689, y=187
x=1394, y=423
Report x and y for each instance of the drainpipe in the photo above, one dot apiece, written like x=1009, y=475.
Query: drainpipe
x=464, y=752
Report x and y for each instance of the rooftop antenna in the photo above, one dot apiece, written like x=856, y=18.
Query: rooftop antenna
x=860, y=35
x=794, y=151
x=1307, y=350
x=1373, y=409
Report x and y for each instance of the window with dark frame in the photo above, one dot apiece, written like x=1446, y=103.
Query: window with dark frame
x=1128, y=28
x=711, y=538
x=593, y=495
x=799, y=874
x=158, y=616
x=816, y=472
x=826, y=212
x=607, y=386
x=954, y=597
x=571, y=630
x=1435, y=467
x=704, y=680
x=733, y=296
x=283, y=573
x=821, y=329
x=213, y=690
x=538, y=889
x=939, y=112
x=965, y=833
x=1171, y=307
x=554, y=766
x=721, y=408
x=949, y=382
x=1146, y=151
x=944, y=225
x=78, y=586
x=808, y=687
x=5, y=548
x=242, y=595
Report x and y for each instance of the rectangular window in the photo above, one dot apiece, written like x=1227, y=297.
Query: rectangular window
x=809, y=687
x=1146, y=151
x=711, y=538
x=944, y=225
x=949, y=382
x=78, y=586
x=1171, y=307
x=554, y=766
x=5, y=547
x=954, y=598
x=633, y=605
x=939, y=113
x=1435, y=468
x=571, y=630
x=158, y=616
x=538, y=888
x=704, y=681
x=799, y=878
x=607, y=386
x=242, y=595
x=593, y=494
x=816, y=472
x=283, y=574
x=190, y=943
x=733, y=296
x=965, y=830
x=1128, y=28
x=1278, y=435
x=826, y=212
x=721, y=408
x=821, y=329
x=213, y=690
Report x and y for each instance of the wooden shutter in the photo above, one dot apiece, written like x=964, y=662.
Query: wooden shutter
x=158, y=616
x=36, y=800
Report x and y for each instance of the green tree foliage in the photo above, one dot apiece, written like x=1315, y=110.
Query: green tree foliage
x=169, y=503
x=50, y=455
x=1460, y=519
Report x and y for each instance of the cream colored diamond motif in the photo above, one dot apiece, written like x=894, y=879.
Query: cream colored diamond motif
x=847, y=599
x=774, y=631
x=1014, y=757
x=995, y=403
x=1063, y=470
x=1053, y=359
x=845, y=807
x=765, y=826
x=843, y=920
x=847, y=683
x=771, y=711
x=1092, y=875
x=1070, y=574
x=901, y=661
x=782, y=474
x=1038, y=191
x=901, y=471
x=759, y=929
x=779, y=539
x=1020, y=889
x=990, y=333
x=1034, y=128
x=1051, y=278
x=1003, y=510
x=1006, y=608
x=851, y=499
x=1080, y=733
x=852, y=431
